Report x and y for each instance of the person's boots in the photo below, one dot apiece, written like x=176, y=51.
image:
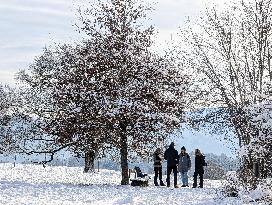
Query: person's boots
x=155, y=181
x=195, y=181
x=201, y=183
x=168, y=182
x=161, y=183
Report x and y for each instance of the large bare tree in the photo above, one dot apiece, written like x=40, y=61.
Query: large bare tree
x=230, y=53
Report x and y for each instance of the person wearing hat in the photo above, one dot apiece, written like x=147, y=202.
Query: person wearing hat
x=172, y=157
x=184, y=166
x=158, y=167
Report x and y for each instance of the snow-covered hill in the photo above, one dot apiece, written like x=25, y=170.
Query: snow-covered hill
x=33, y=184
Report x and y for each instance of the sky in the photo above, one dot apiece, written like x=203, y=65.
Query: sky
x=206, y=142
x=27, y=26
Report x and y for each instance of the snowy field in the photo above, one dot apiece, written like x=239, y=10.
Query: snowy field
x=33, y=184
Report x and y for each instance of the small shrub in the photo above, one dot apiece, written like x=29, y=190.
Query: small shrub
x=231, y=186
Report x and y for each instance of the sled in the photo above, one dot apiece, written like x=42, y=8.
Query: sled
x=140, y=178
x=143, y=182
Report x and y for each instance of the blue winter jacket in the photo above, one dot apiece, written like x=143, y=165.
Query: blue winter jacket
x=184, y=163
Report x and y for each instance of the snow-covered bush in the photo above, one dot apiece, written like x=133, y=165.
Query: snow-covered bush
x=231, y=185
x=261, y=195
x=264, y=191
x=259, y=149
x=256, y=149
x=247, y=177
x=214, y=171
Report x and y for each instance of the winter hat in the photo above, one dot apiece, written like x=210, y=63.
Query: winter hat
x=197, y=152
x=172, y=144
x=183, y=148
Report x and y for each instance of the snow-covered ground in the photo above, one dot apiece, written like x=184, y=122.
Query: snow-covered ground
x=33, y=184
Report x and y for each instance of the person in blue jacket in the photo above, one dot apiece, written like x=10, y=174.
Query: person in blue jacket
x=184, y=166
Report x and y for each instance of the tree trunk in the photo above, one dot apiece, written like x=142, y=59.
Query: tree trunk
x=89, y=161
x=124, y=159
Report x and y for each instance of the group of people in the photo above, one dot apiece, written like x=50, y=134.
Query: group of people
x=178, y=163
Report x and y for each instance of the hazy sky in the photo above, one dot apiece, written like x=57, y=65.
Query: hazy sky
x=27, y=26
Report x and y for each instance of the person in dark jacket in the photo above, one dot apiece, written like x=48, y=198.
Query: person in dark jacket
x=184, y=166
x=158, y=167
x=199, y=170
x=139, y=172
x=172, y=157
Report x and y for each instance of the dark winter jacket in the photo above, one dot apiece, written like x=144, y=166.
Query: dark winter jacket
x=184, y=162
x=199, y=163
x=172, y=157
x=157, y=159
x=139, y=172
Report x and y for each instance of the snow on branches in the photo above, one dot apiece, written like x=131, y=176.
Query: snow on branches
x=259, y=148
x=109, y=90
